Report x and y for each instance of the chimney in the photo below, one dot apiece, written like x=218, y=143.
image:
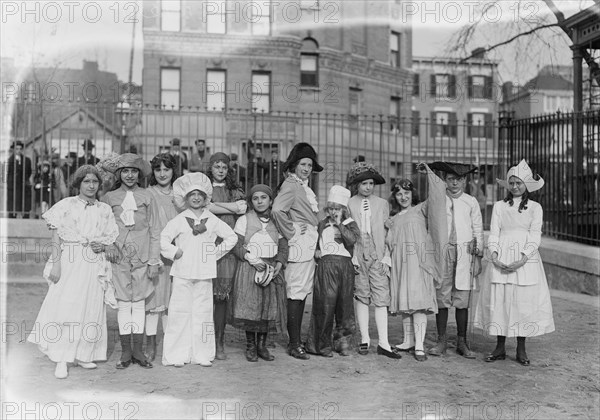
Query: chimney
x=90, y=66
x=478, y=53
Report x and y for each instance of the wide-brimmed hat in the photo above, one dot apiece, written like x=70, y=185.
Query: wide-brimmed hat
x=301, y=151
x=525, y=174
x=88, y=144
x=458, y=169
x=339, y=195
x=361, y=171
x=131, y=160
x=17, y=143
x=190, y=182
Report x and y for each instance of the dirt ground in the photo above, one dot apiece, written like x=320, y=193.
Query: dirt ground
x=563, y=380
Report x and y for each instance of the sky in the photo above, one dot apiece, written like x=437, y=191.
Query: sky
x=48, y=33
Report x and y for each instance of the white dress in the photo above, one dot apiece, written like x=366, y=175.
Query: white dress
x=515, y=304
x=71, y=324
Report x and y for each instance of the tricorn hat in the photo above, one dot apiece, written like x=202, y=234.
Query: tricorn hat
x=361, y=171
x=300, y=151
x=458, y=169
x=525, y=174
x=131, y=160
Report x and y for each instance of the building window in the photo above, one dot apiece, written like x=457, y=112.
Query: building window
x=394, y=112
x=415, y=123
x=480, y=87
x=443, y=124
x=309, y=69
x=394, y=49
x=443, y=85
x=354, y=100
x=170, y=15
x=415, y=86
x=396, y=172
x=261, y=18
x=261, y=92
x=216, y=17
x=170, y=83
x=215, y=90
x=480, y=126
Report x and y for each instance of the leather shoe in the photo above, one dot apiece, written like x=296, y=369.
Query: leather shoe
x=363, y=349
x=391, y=354
x=493, y=357
x=299, y=353
x=523, y=360
x=143, y=363
x=420, y=356
x=124, y=364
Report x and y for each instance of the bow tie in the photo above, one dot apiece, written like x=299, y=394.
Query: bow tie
x=197, y=228
x=218, y=184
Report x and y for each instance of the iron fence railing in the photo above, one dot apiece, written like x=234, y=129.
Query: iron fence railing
x=393, y=144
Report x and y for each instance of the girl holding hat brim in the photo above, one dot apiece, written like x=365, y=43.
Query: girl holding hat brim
x=514, y=299
x=295, y=213
x=227, y=204
x=195, y=231
x=262, y=252
x=371, y=285
x=334, y=279
x=413, y=271
x=164, y=174
x=136, y=254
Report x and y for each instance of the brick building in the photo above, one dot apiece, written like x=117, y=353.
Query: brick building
x=279, y=72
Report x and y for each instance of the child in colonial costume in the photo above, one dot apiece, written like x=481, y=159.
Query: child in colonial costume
x=227, y=204
x=136, y=254
x=295, y=213
x=413, y=272
x=334, y=279
x=515, y=299
x=78, y=278
x=462, y=240
x=263, y=253
x=164, y=173
x=190, y=333
x=372, y=285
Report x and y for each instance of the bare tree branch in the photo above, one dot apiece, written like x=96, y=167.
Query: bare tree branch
x=508, y=41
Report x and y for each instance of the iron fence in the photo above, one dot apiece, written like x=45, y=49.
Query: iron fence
x=564, y=148
x=393, y=144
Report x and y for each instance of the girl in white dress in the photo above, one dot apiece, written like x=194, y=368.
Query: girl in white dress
x=71, y=324
x=515, y=299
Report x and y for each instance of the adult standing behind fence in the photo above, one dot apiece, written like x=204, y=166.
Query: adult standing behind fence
x=79, y=276
x=18, y=186
x=88, y=158
x=295, y=212
x=200, y=161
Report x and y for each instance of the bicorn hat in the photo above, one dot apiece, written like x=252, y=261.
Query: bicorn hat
x=300, y=151
x=458, y=169
x=525, y=174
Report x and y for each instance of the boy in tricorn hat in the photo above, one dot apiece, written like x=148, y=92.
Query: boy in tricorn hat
x=463, y=236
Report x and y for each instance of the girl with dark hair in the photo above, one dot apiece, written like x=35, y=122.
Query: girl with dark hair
x=228, y=203
x=412, y=273
x=514, y=299
x=136, y=254
x=78, y=281
x=256, y=300
x=164, y=173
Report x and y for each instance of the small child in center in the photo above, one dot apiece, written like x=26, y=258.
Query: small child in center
x=334, y=279
x=190, y=336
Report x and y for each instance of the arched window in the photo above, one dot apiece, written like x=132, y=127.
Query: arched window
x=309, y=63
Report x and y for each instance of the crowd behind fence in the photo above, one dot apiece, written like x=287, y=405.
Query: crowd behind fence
x=259, y=143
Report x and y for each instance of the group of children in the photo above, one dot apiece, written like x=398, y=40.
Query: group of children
x=199, y=248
